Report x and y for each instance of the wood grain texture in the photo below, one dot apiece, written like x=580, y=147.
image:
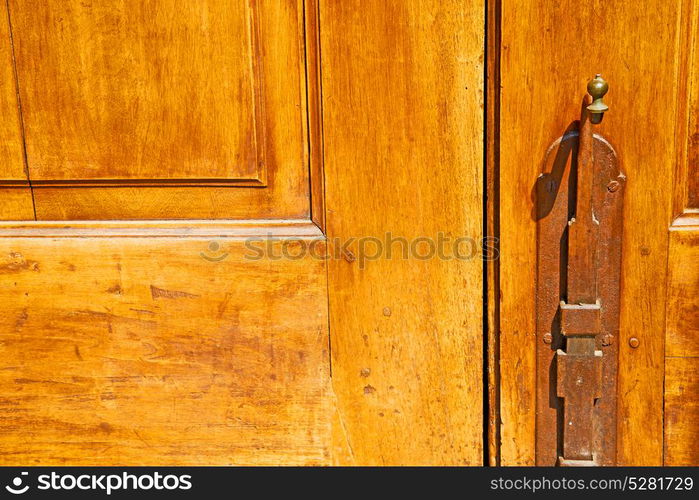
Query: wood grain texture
x=691, y=107
x=686, y=185
x=682, y=411
x=315, y=112
x=16, y=203
x=139, y=351
x=11, y=156
x=151, y=202
x=151, y=97
x=682, y=345
x=681, y=396
x=683, y=293
x=115, y=90
x=403, y=123
x=541, y=92
x=15, y=198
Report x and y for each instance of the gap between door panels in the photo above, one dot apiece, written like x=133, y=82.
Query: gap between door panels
x=491, y=229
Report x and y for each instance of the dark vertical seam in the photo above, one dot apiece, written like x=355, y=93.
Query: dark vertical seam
x=486, y=215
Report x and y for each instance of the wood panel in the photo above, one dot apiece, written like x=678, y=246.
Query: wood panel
x=16, y=202
x=11, y=160
x=540, y=96
x=16, y=195
x=683, y=291
x=135, y=346
x=126, y=104
x=691, y=164
x=681, y=411
x=403, y=149
x=681, y=395
x=140, y=90
x=315, y=112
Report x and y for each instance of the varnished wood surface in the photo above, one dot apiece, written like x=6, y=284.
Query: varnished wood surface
x=403, y=148
x=140, y=351
x=240, y=229
x=11, y=159
x=16, y=203
x=140, y=90
x=686, y=185
x=681, y=411
x=149, y=97
x=691, y=108
x=15, y=200
x=682, y=346
x=540, y=95
x=683, y=293
x=193, y=202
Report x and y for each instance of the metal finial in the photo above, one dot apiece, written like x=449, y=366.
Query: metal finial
x=597, y=88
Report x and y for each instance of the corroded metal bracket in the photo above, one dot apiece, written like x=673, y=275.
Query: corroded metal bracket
x=579, y=201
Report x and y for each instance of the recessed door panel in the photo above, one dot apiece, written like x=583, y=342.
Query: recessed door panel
x=120, y=98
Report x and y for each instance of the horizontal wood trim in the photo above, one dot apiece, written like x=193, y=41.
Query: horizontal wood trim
x=172, y=202
x=74, y=183
x=158, y=229
x=689, y=220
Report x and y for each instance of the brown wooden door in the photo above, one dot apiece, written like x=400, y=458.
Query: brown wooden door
x=172, y=173
x=250, y=231
x=543, y=53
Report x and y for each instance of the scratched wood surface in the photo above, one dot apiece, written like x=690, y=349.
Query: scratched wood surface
x=125, y=104
x=540, y=95
x=161, y=350
x=403, y=149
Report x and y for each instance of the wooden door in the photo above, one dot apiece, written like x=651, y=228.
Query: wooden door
x=543, y=53
x=172, y=174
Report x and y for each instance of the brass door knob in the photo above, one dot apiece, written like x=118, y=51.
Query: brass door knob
x=597, y=88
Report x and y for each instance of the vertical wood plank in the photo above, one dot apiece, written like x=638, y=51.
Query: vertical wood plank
x=403, y=120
